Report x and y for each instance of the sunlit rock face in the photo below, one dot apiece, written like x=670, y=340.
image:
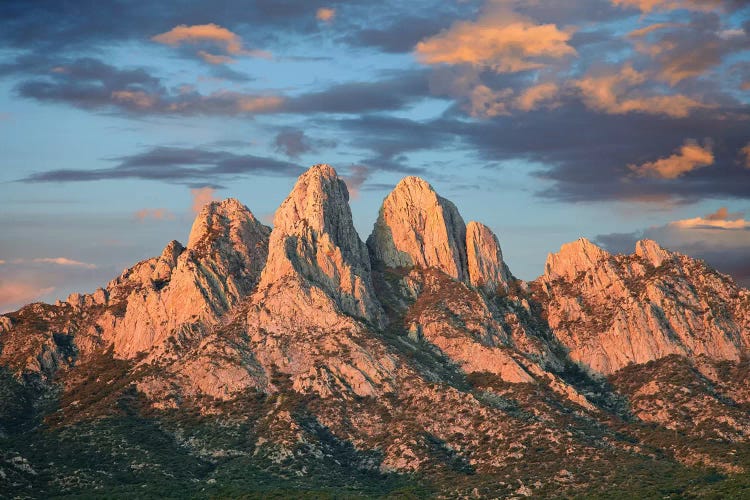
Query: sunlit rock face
x=485, y=258
x=416, y=227
x=315, y=245
x=221, y=265
x=612, y=311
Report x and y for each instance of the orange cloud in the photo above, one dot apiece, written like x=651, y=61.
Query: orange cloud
x=214, y=58
x=689, y=157
x=613, y=94
x=721, y=219
x=650, y=5
x=153, y=213
x=500, y=40
x=746, y=153
x=16, y=293
x=231, y=42
x=531, y=97
x=325, y=14
x=201, y=197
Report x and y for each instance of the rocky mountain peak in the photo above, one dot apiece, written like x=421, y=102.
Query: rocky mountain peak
x=416, y=227
x=573, y=257
x=314, y=241
x=219, y=219
x=485, y=258
x=652, y=252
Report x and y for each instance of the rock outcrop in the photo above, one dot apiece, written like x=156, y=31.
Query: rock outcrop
x=485, y=258
x=314, y=246
x=416, y=227
x=611, y=311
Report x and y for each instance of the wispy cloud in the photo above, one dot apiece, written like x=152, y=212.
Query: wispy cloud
x=153, y=213
x=175, y=165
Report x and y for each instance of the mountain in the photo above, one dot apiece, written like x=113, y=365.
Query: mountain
x=270, y=362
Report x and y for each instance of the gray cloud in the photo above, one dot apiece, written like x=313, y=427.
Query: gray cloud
x=294, y=142
x=194, y=167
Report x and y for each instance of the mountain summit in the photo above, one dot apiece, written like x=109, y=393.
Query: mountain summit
x=270, y=361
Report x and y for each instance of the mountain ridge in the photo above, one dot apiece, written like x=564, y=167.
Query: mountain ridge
x=415, y=354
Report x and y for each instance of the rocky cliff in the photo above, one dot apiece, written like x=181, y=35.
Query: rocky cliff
x=616, y=310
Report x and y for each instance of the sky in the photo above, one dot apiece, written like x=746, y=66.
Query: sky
x=547, y=120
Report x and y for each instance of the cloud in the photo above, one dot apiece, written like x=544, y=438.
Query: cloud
x=89, y=83
x=722, y=213
x=63, y=261
x=721, y=219
x=689, y=157
x=682, y=51
x=56, y=261
x=355, y=178
x=499, y=40
x=616, y=93
x=202, y=197
x=400, y=34
x=294, y=142
x=14, y=294
x=175, y=165
x=393, y=91
x=214, y=58
x=153, y=213
x=745, y=151
x=535, y=95
x=650, y=5
x=229, y=41
x=325, y=14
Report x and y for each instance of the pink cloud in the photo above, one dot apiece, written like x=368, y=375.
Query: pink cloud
x=14, y=294
x=201, y=197
x=357, y=176
x=59, y=261
x=153, y=213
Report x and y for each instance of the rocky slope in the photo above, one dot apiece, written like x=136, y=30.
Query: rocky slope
x=414, y=365
x=614, y=310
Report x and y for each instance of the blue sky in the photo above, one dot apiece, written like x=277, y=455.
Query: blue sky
x=610, y=119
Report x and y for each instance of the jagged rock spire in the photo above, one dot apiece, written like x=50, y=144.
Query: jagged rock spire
x=314, y=241
x=485, y=258
x=416, y=227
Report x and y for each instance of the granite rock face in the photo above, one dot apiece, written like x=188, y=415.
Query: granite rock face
x=227, y=249
x=611, y=311
x=314, y=244
x=416, y=227
x=418, y=352
x=485, y=258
